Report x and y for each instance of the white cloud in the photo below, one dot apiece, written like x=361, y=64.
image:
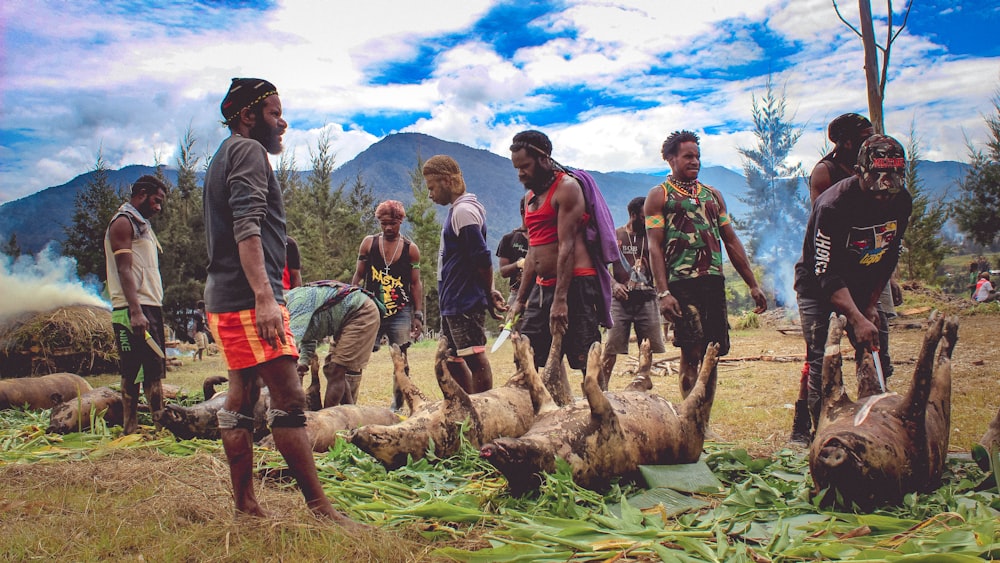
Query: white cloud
x=89, y=76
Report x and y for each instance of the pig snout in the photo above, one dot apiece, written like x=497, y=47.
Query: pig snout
x=833, y=455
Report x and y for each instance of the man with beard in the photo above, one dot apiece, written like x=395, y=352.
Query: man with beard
x=244, y=297
x=389, y=268
x=132, y=259
x=634, y=297
x=687, y=223
x=465, y=275
x=851, y=247
x=560, y=292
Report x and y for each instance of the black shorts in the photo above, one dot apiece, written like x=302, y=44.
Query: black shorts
x=133, y=352
x=583, y=299
x=465, y=333
x=704, y=318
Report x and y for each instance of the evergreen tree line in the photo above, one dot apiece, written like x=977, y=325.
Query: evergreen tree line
x=328, y=222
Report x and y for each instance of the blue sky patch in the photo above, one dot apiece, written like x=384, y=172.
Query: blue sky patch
x=385, y=122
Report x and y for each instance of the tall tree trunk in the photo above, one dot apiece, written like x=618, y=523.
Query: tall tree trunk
x=871, y=66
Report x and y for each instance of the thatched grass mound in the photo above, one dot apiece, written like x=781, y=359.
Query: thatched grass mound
x=76, y=339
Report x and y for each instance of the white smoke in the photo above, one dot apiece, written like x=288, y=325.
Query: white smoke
x=43, y=282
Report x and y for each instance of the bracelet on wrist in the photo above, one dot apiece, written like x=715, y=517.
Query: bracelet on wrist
x=663, y=294
x=419, y=315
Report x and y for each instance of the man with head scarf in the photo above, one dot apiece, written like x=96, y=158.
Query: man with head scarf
x=851, y=247
x=389, y=268
x=244, y=296
x=465, y=275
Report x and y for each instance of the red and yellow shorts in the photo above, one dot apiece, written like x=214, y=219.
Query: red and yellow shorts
x=241, y=345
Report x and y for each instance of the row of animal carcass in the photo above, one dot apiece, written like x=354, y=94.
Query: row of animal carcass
x=871, y=452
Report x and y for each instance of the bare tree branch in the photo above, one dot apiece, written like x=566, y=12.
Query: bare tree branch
x=847, y=23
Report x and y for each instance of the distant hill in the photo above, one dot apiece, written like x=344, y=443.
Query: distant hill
x=386, y=166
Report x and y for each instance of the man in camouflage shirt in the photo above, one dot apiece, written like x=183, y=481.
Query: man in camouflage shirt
x=686, y=226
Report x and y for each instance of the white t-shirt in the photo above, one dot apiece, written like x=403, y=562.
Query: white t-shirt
x=983, y=290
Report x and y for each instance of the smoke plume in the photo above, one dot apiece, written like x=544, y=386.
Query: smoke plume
x=41, y=283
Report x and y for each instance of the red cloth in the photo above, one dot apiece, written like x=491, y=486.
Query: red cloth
x=241, y=345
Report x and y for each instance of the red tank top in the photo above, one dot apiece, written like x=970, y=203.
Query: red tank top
x=542, y=223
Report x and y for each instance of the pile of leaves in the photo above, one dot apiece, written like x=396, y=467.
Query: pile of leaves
x=77, y=339
x=730, y=507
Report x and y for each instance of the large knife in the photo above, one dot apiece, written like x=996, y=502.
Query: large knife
x=878, y=370
x=505, y=333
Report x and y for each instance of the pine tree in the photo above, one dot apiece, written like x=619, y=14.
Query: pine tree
x=424, y=229
x=977, y=211
x=92, y=212
x=312, y=216
x=924, y=246
x=11, y=248
x=180, y=227
x=778, y=209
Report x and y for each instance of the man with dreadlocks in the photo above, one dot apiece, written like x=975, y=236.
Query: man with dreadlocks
x=244, y=297
x=686, y=224
x=559, y=292
x=851, y=247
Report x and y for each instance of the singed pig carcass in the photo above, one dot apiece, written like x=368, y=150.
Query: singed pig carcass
x=74, y=415
x=502, y=411
x=42, y=392
x=200, y=420
x=874, y=451
x=324, y=425
x=609, y=434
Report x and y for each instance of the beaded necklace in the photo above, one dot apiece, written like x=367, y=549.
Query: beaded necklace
x=687, y=189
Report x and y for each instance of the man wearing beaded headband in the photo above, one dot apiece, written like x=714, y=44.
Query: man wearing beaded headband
x=389, y=267
x=851, y=246
x=687, y=224
x=244, y=296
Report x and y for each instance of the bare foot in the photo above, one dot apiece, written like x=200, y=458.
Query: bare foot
x=251, y=509
x=327, y=511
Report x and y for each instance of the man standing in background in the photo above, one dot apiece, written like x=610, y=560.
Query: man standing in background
x=132, y=259
x=389, y=268
x=511, y=251
x=634, y=296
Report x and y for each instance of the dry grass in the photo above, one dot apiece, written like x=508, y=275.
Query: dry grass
x=142, y=505
x=130, y=506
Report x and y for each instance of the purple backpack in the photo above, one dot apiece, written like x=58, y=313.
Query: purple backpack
x=599, y=235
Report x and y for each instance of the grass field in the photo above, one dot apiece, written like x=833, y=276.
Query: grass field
x=124, y=504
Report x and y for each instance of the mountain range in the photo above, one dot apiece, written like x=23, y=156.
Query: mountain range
x=385, y=166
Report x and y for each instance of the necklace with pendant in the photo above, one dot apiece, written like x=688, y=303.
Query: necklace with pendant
x=690, y=189
x=388, y=260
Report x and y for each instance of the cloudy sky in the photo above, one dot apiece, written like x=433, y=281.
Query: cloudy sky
x=607, y=80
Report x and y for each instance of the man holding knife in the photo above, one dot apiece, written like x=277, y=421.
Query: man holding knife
x=851, y=247
x=133, y=265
